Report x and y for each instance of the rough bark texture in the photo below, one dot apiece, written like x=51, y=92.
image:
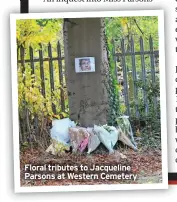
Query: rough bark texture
x=88, y=100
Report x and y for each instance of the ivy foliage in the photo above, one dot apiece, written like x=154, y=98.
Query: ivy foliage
x=128, y=28
x=112, y=84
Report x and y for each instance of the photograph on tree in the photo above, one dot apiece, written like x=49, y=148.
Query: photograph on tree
x=89, y=101
x=85, y=64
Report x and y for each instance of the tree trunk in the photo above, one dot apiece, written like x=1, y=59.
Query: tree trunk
x=88, y=99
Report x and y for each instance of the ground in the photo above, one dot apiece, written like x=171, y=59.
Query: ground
x=146, y=164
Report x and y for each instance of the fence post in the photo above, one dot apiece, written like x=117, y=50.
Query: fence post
x=31, y=59
x=61, y=77
x=152, y=71
x=143, y=75
x=51, y=75
x=27, y=112
x=42, y=69
x=22, y=58
x=134, y=77
x=125, y=77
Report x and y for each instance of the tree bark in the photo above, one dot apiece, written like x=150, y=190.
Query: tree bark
x=88, y=98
